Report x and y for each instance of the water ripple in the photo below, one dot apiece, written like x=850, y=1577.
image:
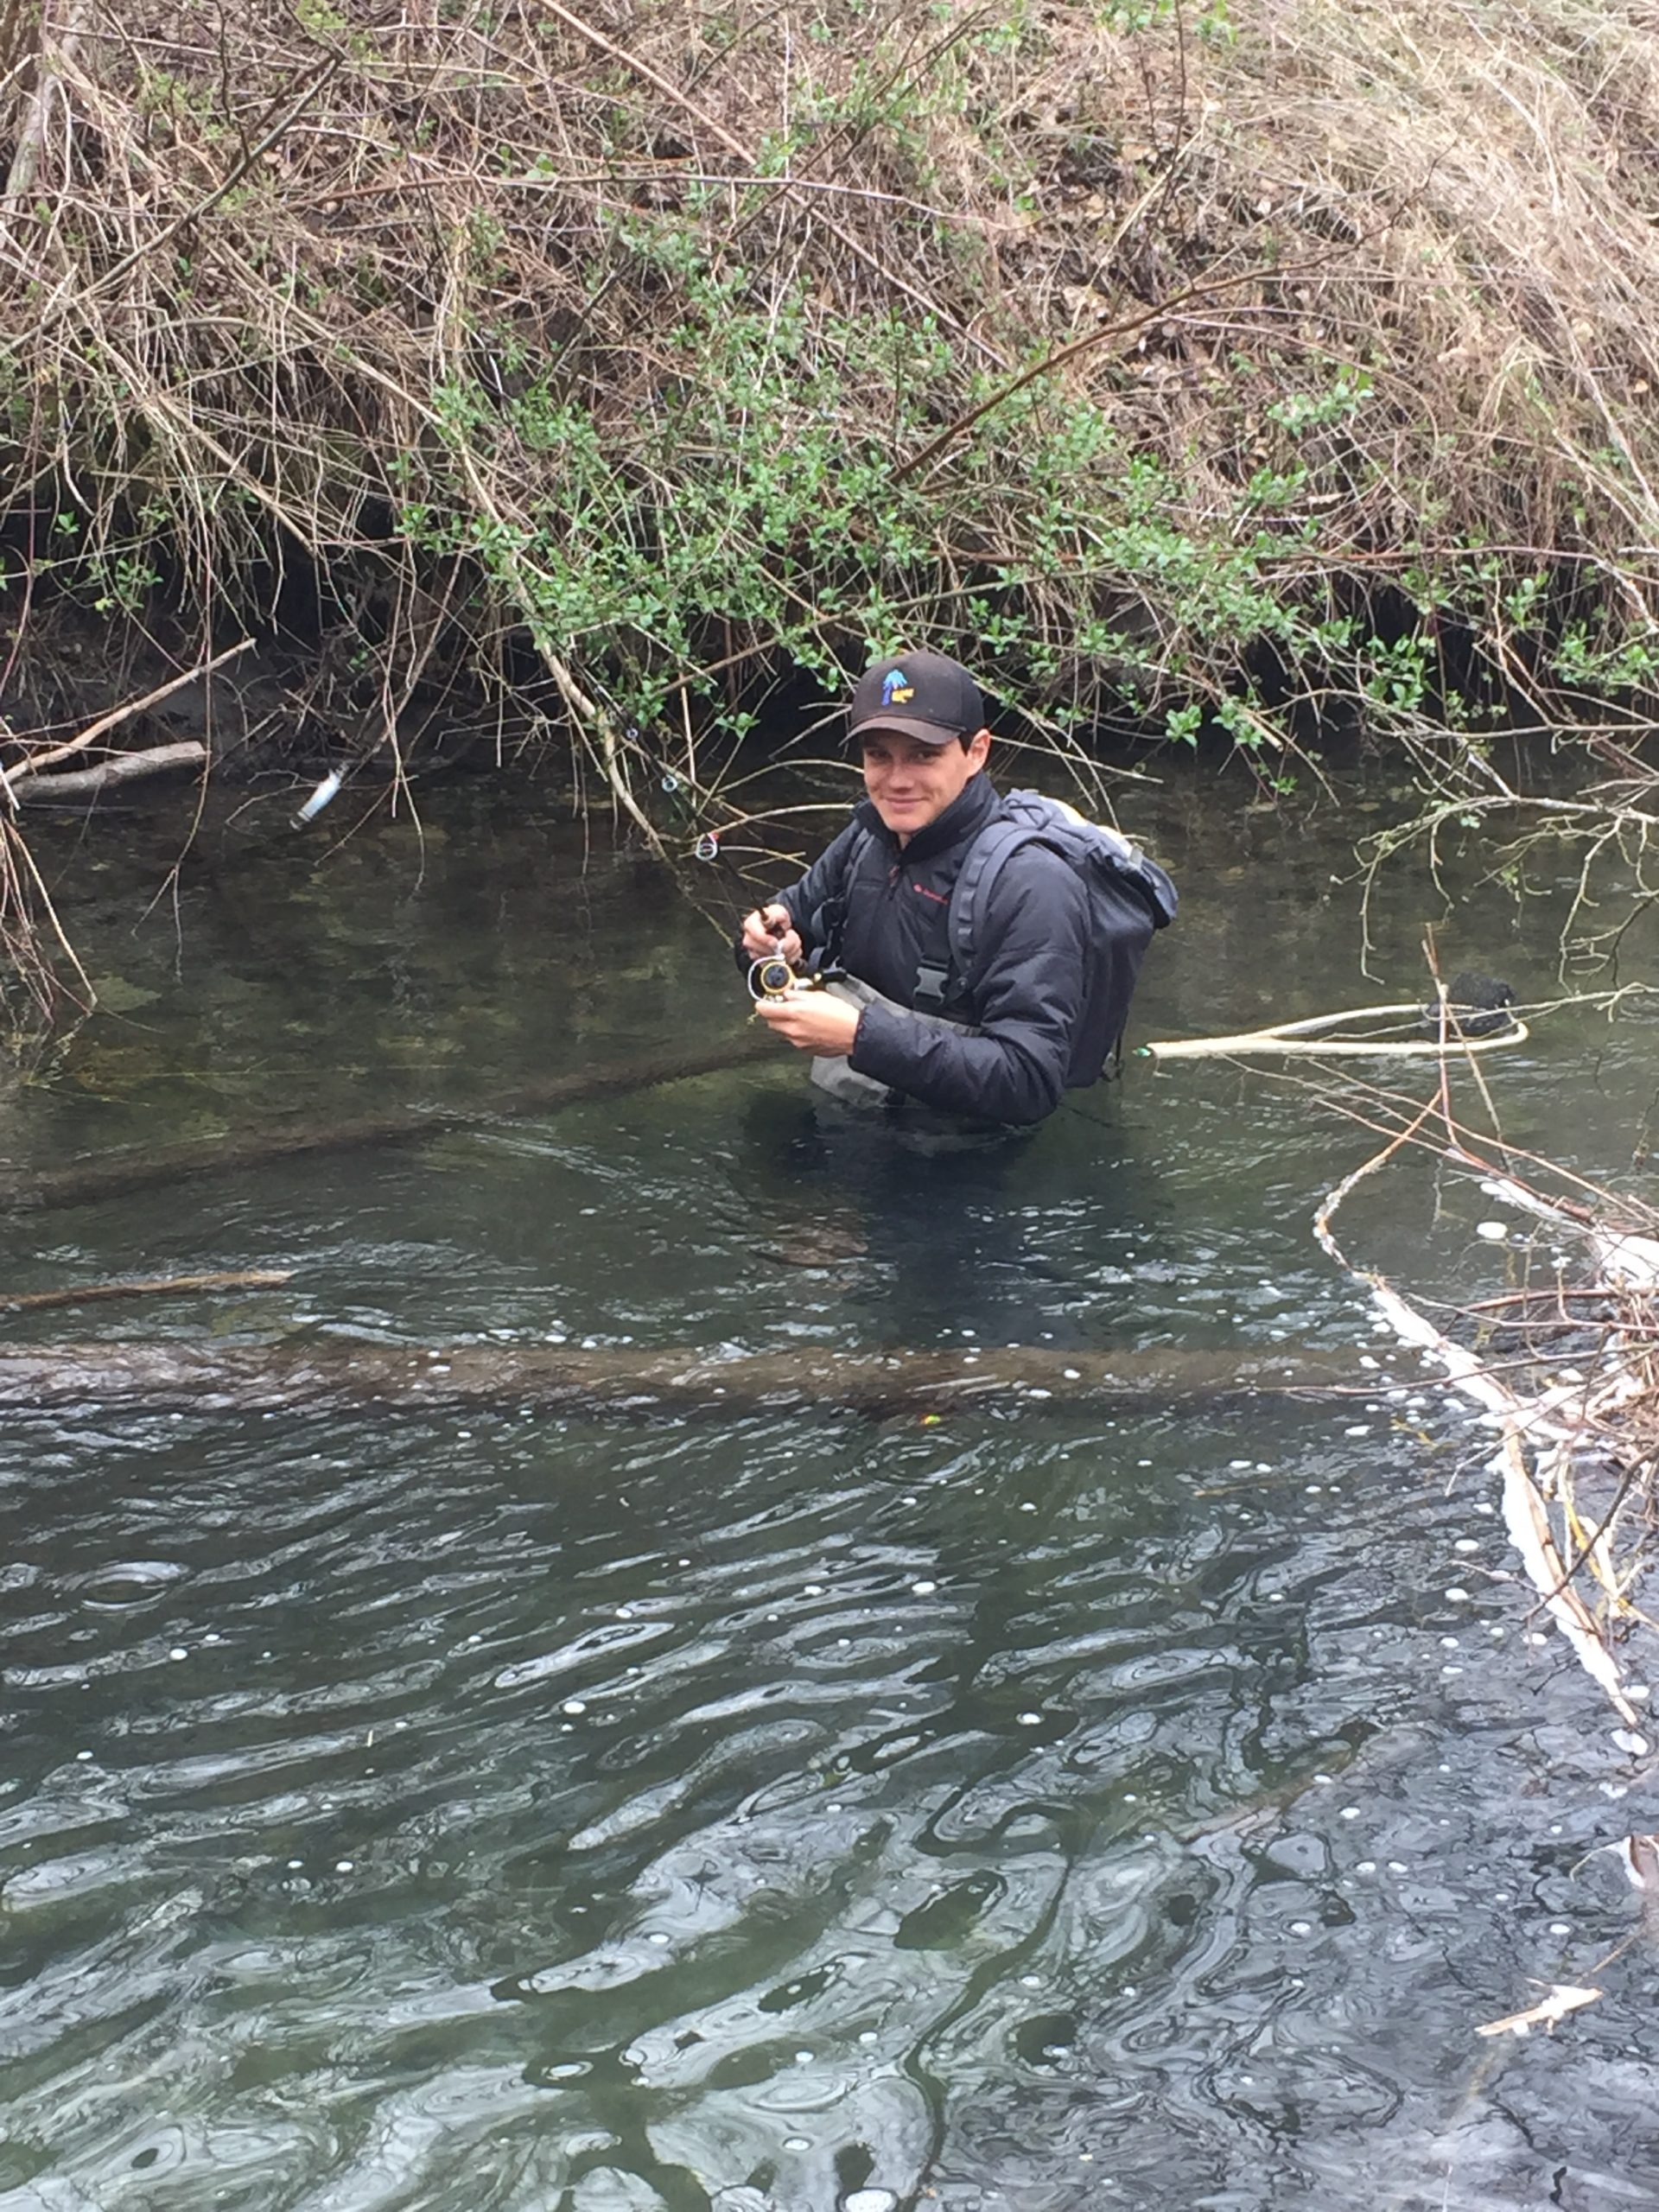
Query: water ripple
x=790, y=1812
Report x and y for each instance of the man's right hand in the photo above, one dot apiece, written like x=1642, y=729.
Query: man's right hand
x=768, y=933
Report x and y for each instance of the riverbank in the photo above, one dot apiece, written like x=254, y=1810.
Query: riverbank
x=556, y=378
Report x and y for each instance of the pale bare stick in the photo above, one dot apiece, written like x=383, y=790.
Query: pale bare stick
x=32, y=785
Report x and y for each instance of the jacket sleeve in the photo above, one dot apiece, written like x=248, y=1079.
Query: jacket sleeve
x=1028, y=996
x=824, y=880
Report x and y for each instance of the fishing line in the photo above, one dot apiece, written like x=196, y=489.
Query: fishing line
x=683, y=799
x=736, y=891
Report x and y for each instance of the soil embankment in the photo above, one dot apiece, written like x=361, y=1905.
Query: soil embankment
x=534, y=371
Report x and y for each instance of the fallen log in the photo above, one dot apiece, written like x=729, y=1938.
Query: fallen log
x=347, y=1373
x=34, y=1301
x=87, y=1181
x=33, y=787
x=35, y=764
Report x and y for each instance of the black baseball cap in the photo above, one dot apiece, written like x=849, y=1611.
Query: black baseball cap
x=919, y=695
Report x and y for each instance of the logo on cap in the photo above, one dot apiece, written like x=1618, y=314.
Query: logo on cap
x=897, y=689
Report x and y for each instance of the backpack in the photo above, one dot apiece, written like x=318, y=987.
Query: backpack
x=1130, y=898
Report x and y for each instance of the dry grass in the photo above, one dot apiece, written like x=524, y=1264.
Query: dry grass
x=610, y=364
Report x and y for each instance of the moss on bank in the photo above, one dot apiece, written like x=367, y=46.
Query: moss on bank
x=1183, y=366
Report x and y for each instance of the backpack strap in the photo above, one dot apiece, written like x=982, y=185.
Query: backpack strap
x=830, y=918
x=996, y=843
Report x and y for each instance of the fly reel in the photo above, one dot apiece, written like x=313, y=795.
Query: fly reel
x=773, y=977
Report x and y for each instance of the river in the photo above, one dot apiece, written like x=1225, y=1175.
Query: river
x=487, y=1811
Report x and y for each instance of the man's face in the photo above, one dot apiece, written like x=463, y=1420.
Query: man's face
x=911, y=783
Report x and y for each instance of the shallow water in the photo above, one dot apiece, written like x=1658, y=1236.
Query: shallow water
x=501, y=1813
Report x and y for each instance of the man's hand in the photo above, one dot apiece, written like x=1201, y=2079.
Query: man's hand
x=812, y=1021
x=770, y=933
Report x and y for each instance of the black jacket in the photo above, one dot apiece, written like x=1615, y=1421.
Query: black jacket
x=1030, y=971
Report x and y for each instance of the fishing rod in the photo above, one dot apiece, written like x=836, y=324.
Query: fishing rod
x=770, y=977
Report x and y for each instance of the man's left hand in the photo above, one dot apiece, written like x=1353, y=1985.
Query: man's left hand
x=812, y=1021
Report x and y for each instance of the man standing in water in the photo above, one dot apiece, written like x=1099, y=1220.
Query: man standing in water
x=1046, y=981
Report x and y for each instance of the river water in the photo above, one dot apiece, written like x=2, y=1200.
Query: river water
x=424, y=1811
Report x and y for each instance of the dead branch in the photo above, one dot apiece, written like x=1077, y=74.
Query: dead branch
x=32, y=765
x=30, y=786
x=54, y=56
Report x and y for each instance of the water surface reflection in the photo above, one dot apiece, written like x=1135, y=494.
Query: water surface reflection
x=796, y=1811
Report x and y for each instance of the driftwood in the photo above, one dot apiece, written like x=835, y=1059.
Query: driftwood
x=86, y=1181
x=342, y=1372
x=31, y=788
x=35, y=763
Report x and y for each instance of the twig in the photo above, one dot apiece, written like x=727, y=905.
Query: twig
x=74, y=299
x=1209, y=288
x=735, y=147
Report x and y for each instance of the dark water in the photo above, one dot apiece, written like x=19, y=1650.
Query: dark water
x=508, y=1814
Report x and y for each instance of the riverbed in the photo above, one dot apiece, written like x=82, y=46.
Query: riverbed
x=487, y=1810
